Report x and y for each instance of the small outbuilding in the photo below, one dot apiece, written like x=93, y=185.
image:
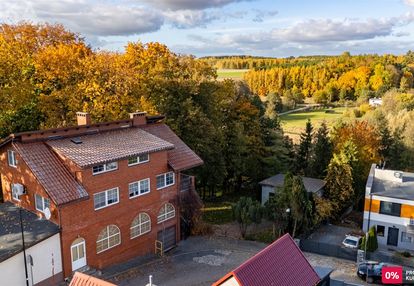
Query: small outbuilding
x=280, y=264
x=270, y=185
x=42, y=247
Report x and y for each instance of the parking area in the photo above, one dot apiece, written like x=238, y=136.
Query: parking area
x=331, y=234
x=203, y=260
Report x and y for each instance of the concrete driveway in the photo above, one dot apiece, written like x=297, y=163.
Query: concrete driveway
x=203, y=260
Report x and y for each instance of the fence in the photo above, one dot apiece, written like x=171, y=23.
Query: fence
x=322, y=248
x=391, y=258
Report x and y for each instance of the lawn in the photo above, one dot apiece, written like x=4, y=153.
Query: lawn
x=217, y=212
x=231, y=73
x=294, y=123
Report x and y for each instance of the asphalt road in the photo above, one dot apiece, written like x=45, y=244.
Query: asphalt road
x=200, y=261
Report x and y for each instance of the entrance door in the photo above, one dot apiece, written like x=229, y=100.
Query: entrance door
x=78, y=254
x=392, y=236
x=167, y=237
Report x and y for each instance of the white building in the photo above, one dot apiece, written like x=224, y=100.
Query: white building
x=389, y=205
x=374, y=102
x=43, y=252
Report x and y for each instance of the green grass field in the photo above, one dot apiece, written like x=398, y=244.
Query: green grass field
x=294, y=123
x=231, y=73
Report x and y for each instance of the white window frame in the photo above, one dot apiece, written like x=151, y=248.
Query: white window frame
x=140, y=225
x=108, y=238
x=106, y=198
x=138, y=160
x=11, y=158
x=167, y=215
x=406, y=237
x=14, y=196
x=139, y=188
x=165, y=180
x=43, y=203
x=105, y=168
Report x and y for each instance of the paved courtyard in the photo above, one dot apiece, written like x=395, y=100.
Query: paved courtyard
x=203, y=260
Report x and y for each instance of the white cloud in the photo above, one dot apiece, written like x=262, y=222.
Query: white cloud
x=190, y=4
x=330, y=30
x=323, y=36
x=190, y=18
x=84, y=16
x=409, y=2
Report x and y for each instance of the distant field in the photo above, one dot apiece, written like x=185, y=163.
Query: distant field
x=294, y=123
x=231, y=73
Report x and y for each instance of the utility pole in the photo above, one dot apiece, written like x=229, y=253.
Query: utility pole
x=24, y=247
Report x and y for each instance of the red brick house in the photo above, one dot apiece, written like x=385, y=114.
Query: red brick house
x=113, y=188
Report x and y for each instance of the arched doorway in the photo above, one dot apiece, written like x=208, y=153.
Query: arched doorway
x=78, y=253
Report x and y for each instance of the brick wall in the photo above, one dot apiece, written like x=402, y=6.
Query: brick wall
x=22, y=175
x=81, y=220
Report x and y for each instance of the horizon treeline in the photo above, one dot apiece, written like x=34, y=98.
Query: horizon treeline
x=324, y=78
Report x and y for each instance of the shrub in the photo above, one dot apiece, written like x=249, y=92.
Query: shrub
x=372, y=243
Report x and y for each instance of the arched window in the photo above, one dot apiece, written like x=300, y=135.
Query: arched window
x=109, y=237
x=140, y=225
x=167, y=211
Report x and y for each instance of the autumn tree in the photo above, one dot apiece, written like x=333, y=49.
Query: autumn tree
x=339, y=183
x=360, y=142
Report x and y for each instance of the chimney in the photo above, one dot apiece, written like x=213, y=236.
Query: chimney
x=83, y=118
x=138, y=118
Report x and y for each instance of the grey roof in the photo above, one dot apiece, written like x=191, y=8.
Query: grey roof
x=311, y=185
x=323, y=272
x=35, y=230
x=109, y=146
x=384, y=184
x=57, y=181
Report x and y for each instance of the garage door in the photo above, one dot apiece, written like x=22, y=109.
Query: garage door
x=167, y=237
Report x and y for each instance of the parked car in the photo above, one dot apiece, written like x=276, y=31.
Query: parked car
x=374, y=270
x=351, y=241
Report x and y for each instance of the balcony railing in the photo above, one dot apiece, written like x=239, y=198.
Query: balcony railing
x=188, y=194
x=187, y=183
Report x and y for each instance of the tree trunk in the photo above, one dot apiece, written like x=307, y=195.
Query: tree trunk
x=294, y=228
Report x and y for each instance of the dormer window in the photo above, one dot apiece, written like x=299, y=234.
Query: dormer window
x=11, y=156
x=143, y=158
x=98, y=169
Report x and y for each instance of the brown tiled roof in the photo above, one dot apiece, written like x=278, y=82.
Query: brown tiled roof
x=181, y=157
x=280, y=264
x=81, y=279
x=109, y=146
x=57, y=181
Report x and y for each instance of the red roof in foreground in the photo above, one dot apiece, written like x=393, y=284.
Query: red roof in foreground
x=80, y=279
x=280, y=264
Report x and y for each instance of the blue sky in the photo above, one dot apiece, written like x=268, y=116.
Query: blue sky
x=230, y=27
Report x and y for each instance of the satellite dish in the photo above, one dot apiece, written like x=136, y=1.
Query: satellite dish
x=47, y=213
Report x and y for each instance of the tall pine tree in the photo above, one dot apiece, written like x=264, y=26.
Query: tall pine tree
x=302, y=161
x=322, y=152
